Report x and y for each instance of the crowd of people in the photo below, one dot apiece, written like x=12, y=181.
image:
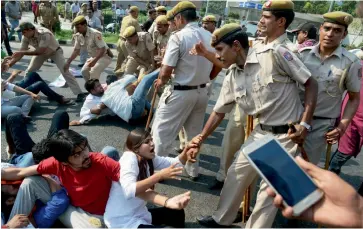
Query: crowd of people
x=277, y=83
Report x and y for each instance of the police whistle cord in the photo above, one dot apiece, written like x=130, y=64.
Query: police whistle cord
x=246, y=197
x=301, y=147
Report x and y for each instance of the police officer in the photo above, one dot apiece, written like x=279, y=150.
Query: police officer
x=140, y=49
x=161, y=35
x=46, y=46
x=130, y=20
x=263, y=83
x=83, y=11
x=48, y=15
x=336, y=71
x=209, y=23
x=91, y=39
x=160, y=10
x=184, y=102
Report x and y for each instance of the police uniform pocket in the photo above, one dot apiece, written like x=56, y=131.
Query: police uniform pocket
x=242, y=99
x=332, y=81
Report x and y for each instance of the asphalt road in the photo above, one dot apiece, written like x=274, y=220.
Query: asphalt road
x=113, y=132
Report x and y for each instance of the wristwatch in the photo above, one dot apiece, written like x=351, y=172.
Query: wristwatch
x=307, y=126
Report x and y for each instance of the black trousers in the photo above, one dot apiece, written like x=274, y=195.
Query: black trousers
x=17, y=135
x=166, y=216
x=6, y=40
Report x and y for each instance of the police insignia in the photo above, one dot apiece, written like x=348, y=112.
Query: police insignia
x=288, y=56
x=99, y=37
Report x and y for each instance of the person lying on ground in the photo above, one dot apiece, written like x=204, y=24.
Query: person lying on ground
x=124, y=209
x=343, y=208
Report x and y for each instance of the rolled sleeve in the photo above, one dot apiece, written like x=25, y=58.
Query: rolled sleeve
x=292, y=65
x=100, y=43
x=172, y=51
x=354, y=77
x=77, y=44
x=226, y=99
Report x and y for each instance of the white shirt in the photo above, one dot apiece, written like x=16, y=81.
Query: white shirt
x=67, y=6
x=189, y=70
x=122, y=12
x=75, y=8
x=90, y=102
x=124, y=209
x=94, y=22
x=5, y=86
x=117, y=98
x=118, y=12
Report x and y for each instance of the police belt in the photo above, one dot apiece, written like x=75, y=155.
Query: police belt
x=275, y=129
x=318, y=117
x=187, y=88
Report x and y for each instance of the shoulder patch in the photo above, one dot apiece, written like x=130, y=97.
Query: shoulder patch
x=287, y=55
x=99, y=37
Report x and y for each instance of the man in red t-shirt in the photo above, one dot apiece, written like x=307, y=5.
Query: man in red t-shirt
x=86, y=176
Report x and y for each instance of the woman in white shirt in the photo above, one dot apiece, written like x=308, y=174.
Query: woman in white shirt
x=126, y=206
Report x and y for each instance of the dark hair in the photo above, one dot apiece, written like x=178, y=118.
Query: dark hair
x=239, y=36
x=133, y=142
x=288, y=15
x=90, y=8
x=61, y=145
x=312, y=34
x=41, y=151
x=90, y=84
x=151, y=11
x=6, y=209
x=189, y=15
x=110, y=79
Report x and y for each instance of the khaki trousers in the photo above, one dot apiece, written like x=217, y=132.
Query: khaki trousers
x=239, y=176
x=58, y=57
x=121, y=56
x=315, y=142
x=96, y=71
x=234, y=137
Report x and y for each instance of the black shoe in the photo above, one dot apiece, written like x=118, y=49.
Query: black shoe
x=80, y=97
x=80, y=65
x=208, y=221
x=218, y=185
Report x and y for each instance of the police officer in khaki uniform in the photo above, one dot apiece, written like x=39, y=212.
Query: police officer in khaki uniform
x=91, y=39
x=161, y=35
x=130, y=20
x=48, y=15
x=160, y=10
x=263, y=83
x=140, y=49
x=336, y=71
x=83, y=11
x=46, y=46
x=209, y=23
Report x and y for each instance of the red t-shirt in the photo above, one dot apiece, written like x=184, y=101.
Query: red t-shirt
x=88, y=189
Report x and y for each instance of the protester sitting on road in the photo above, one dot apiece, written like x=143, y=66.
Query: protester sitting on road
x=124, y=209
x=34, y=83
x=74, y=165
x=343, y=208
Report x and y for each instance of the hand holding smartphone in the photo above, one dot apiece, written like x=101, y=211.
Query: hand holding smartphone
x=281, y=172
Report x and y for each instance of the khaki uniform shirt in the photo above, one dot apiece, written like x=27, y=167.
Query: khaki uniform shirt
x=329, y=75
x=92, y=41
x=48, y=14
x=143, y=47
x=266, y=87
x=82, y=13
x=129, y=21
x=43, y=38
x=160, y=41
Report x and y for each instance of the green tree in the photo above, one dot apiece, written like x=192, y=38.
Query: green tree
x=215, y=7
x=308, y=7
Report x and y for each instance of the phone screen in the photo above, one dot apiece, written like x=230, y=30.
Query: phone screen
x=282, y=172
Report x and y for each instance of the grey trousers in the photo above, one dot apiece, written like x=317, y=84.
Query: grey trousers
x=18, y=105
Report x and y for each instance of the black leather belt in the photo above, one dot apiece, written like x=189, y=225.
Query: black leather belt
x=187, y=88
x=318, y=117
x=275, y=129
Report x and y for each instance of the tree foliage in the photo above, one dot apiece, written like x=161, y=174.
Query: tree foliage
x=215, y=7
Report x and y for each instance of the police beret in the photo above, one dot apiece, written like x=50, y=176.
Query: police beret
x=162, y=20
x=129, y=32
x=84, y=4
x=24, y=25
x=78, y=19
x=160, y=9
x=338, y=17
x=224, y=32
x=278, y=5
x=182, y=6
x=170, y=15
x=209, y=18
x=134, y=8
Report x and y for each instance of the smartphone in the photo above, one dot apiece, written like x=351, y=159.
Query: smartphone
x=280, y=171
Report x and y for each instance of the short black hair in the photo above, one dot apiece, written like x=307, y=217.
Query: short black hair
x=110, y=79
x=62, y=144
x=90, y=84
x=90, y=8
x=151, y=11
x=239, y=36
x=288, y=15
x=41, y=151
x=189, y=15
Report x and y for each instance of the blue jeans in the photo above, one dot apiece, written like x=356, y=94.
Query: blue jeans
x=139, y=102
x=14, y=24
x=22, y=160
x=34, y=83
x=337, y=161
x=111, y=152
